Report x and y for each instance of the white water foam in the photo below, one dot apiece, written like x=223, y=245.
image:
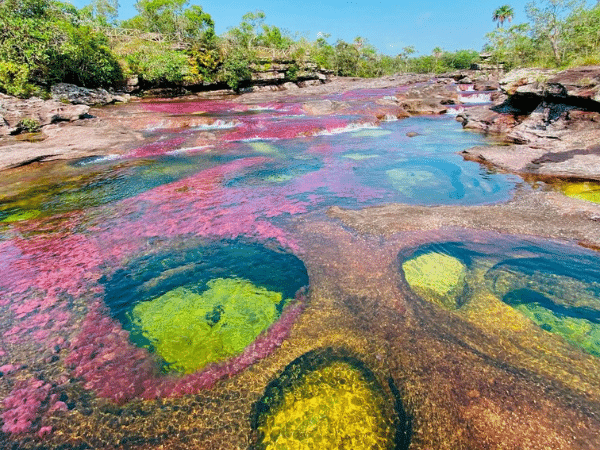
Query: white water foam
x=346, y=129
x=218, y=125
x=476, y=98
x=188, y=150
x=455, y=111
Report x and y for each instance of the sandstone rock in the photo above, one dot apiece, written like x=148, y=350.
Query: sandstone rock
x=290, y=86
x=322, y=107
x=525, y=77
x=45, y=112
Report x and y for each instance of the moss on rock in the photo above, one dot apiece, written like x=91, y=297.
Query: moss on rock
x=436, y=277
x=190, y=330
x=333, y=406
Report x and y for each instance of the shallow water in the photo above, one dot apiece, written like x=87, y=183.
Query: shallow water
x=124, y=298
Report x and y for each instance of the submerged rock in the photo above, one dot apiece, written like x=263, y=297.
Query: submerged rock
x=436, y=277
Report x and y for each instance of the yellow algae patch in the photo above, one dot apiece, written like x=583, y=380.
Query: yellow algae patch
x=436, y=277
x=190, y=330
x=265, y=148
x=490, y=312
x=359, y=156
x=22, y=215
x=332, y=407
x=589, y=191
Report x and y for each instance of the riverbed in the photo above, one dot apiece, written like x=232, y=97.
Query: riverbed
x=266, y=275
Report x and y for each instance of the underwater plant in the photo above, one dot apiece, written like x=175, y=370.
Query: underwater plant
x=190, y=330
x=436, y=277
x=583, y=190
x=328, y=402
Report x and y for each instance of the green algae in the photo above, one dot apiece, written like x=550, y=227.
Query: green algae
x=410, y=182
x=21, y=216
x=280, y=178
x=265, y=148
x=586, y=190
x=332, y=404
x=190, y=330
x=436, y=277
x=578, y=331
x=359, y=156
x=371, y=132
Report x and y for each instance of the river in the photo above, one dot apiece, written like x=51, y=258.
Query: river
x=198, y=292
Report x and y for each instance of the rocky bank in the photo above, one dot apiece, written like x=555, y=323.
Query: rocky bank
x=549, y=120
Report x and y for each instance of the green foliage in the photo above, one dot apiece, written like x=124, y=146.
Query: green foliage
x=235, y=69
x=505, y=12
x=173, y=18
x=190, y=330
x=42, y=41
x=84, y=59
x=101, y=12
x=346, y=59
x=16, y=79
x=29, y=125
x=155, y=62
x=559, y=33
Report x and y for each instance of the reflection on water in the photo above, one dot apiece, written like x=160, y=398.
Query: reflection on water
x=158, y=300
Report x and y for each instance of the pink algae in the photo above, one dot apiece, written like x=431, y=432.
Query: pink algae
x=113, y=368
x=24, y=405
x=202, y=205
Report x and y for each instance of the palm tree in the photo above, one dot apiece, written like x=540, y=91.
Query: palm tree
x=505, y=12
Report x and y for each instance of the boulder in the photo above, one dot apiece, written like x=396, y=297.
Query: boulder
x=69, y=93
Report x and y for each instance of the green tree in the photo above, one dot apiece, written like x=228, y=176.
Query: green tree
x=103, y=12
x=503, y=13
x=42, y=41
x=548, y=23
x=172, y=17
x=346, y=59
x=513, y=46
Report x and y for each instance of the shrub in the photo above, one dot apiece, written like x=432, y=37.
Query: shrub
x=30, y=125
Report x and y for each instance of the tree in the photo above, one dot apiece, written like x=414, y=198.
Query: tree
x=104, y=12
x=404, y=55
x=505, y=12
x=172, y=17
x=548, y=22
x=437, y=53
x=42, y=41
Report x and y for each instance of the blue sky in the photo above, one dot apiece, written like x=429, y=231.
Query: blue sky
x=387, y=25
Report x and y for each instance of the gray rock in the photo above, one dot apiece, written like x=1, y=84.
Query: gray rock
x=69, y=93
x=45, y=112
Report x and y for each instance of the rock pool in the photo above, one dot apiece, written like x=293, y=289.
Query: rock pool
x=236, y=281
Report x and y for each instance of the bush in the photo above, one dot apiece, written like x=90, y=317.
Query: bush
x=85, y=59
x=154, y=62
x=235, y=70
x=30, y=125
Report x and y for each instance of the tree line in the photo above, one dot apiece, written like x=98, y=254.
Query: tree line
x=558, y=33
x=43, y=42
